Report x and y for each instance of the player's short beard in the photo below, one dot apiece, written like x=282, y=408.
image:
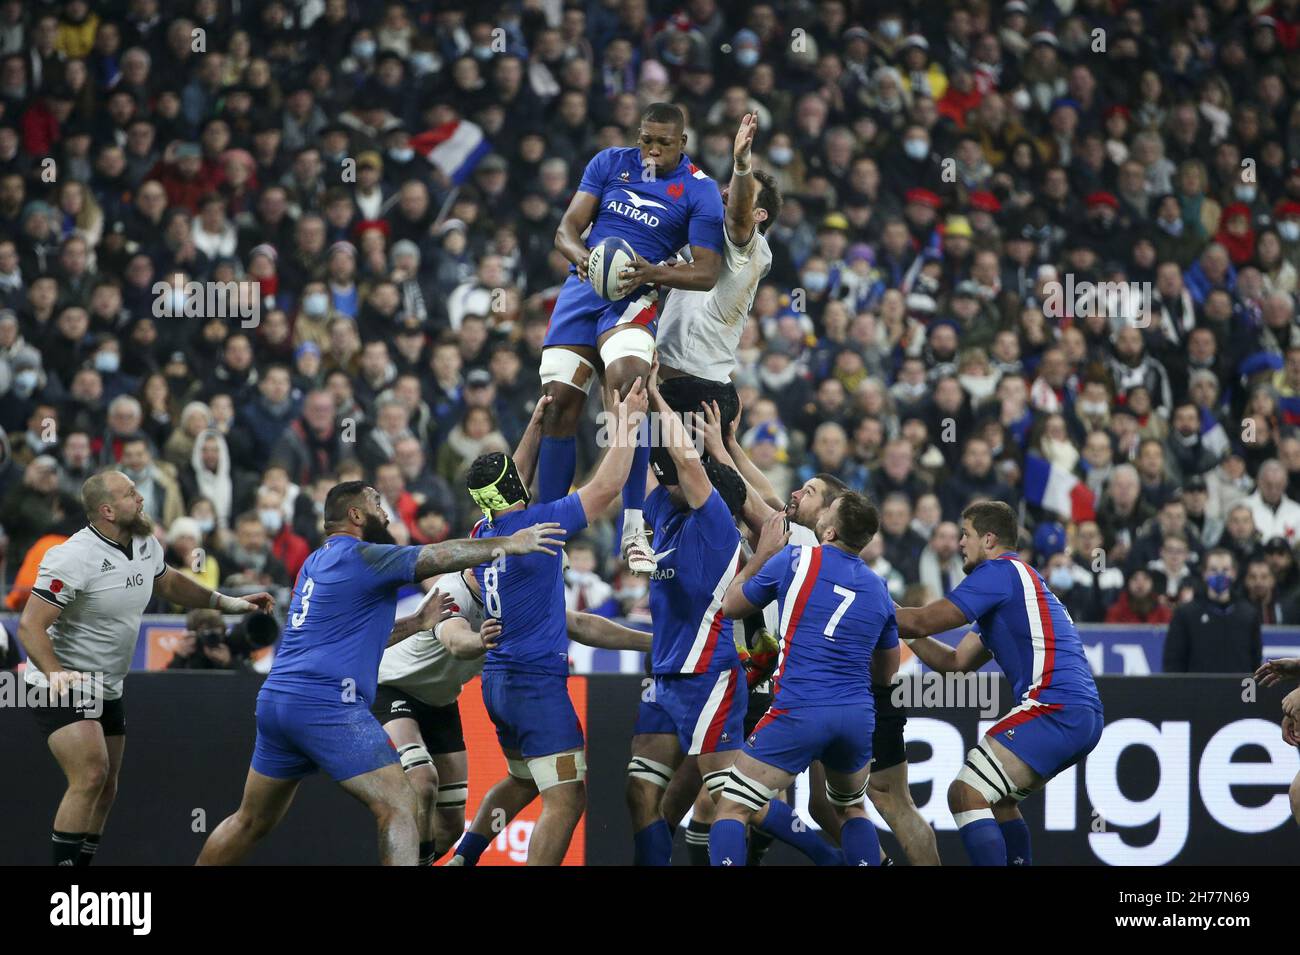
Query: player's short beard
x=139, y=526
x=375, y=531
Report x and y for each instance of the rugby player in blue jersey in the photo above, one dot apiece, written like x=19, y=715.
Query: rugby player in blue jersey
x=1058, y=719
x=693, y=722
x=313, y=711
x=655, y=198
x=525, y=676
x=837, y=620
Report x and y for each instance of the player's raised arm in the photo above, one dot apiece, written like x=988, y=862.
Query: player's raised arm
x=709, y=426
x=577, y=219
x=744, y=188
x=593, y=631
x=755, y=478
x=739, y=602
x=525, y=456
x=452, y=555
x=691, y=476
x=620, y=431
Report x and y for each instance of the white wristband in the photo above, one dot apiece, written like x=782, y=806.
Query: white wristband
x=220, y=601
x=736, y=170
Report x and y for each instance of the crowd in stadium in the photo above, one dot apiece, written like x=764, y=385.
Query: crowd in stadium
x=945, y=168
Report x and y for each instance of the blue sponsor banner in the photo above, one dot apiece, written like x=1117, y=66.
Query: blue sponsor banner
x=1112, y=649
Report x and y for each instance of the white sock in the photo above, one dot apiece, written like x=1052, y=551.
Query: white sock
x=633, y=523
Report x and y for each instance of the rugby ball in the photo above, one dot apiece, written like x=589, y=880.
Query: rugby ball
x=606, y=261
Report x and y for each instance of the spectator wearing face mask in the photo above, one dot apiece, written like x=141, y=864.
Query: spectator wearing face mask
x=1074, y=588
x=1215, y=632
x=286, y=546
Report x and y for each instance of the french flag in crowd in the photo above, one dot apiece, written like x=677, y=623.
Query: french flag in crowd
x=1056, y=489
x=455, y=148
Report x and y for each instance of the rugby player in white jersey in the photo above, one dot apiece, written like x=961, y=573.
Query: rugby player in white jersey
x=420, y=682
x=699, y=332
x=80, y=635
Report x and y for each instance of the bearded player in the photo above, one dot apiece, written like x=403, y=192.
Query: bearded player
x=655, y=198
x=313, y=711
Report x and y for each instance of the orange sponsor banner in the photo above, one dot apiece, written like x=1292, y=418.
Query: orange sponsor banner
x=160, y=645
x=160, y=642
x=487, y=766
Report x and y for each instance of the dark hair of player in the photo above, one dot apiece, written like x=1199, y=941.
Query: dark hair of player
x=664, y=113
x=728, y=483
x=996, y=518
x=857, y=520
x=340, y=498
x=769, y=198
x=834, y=487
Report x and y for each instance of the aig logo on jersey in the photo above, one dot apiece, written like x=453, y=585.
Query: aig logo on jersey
x=136, y=580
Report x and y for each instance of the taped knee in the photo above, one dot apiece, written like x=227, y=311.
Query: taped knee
x=414, y=755
x=554, y=770
x=452, y=795
x=628, y=344
x=985, y=774
x=845, y=797
x=567, y=367
x=716, y=782
x=658, y=774
x=746, y=791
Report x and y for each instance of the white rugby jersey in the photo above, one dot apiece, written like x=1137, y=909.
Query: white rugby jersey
x=102, y=589
x=699, y=332
x=800, y=536
x=421, y=666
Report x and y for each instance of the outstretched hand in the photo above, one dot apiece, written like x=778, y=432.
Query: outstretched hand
x=708, y=426
x=745, y=138
x=539, y=409
x=435, y=610
x=632, y=407
x=1275, y=671
x=774, y=536
x=538, y=538
x=262, y=602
